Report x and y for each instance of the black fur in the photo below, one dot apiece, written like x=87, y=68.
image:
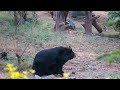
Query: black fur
x=51, y=61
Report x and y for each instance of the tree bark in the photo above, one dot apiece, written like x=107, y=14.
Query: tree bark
x=60, y=20
x=16, y=19
x=35, y=17
x=23, y=16
x=88, y=22
x=51, y=12
x=95, y=24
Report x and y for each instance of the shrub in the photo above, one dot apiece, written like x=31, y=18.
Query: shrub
x=111, y=57
x=115, y=16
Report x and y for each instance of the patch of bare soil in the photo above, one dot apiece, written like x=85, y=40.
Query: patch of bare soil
x=86, y=68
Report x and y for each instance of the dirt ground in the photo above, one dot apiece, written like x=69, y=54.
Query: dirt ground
x=85, y=65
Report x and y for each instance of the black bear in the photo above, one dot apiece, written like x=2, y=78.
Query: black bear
x=51, y=61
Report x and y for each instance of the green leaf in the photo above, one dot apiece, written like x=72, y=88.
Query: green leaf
x=116, y=52
x=111, y=59
x=103, y=56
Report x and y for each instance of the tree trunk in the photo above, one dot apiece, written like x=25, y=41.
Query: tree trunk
x=23, y=16
x=16, y=19
x=35, y=17
x=96, y=25
x=88, y=22
x=20, y=17
x=51, y=12
x=60, y=19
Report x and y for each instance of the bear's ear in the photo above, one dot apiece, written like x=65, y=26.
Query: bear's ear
x=70, y=47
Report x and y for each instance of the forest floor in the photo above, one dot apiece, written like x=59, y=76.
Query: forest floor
x=87, y=48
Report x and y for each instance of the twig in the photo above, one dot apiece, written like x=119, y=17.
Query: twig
x=24, y=50
x=16, y=42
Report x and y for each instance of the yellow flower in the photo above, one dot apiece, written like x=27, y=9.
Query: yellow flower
x=11, y=69
x=14, y=75
x=24, y=72
x=65, y=75
x=9, y=65
x=31, y=71
x=24, y=75
x=6, y=69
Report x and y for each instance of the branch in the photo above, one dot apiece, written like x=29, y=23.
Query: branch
x=95, y=17
x=24, y=50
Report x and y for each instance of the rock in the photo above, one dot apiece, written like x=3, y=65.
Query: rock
x=45, y=77
x=53, y=77
x=71, y=24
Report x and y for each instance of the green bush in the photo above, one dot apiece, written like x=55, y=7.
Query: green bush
x=115, y=16
x=111, y=57
x=109, y=23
